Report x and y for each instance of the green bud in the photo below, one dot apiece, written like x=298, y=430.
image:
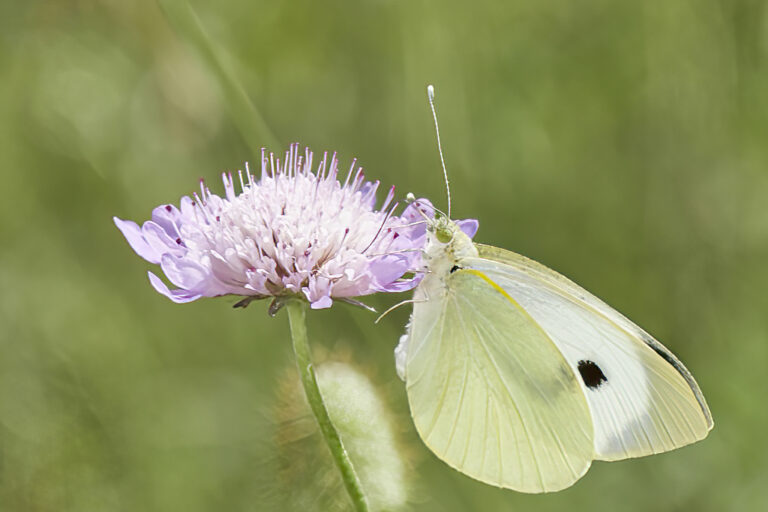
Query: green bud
x=307, y=472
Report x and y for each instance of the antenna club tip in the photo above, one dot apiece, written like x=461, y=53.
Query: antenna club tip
x=431, y=91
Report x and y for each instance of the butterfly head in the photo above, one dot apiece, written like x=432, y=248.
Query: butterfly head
x=443, y=229
x=446, y=238
x=440, y=227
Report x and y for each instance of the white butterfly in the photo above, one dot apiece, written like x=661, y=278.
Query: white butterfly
x=520, y=378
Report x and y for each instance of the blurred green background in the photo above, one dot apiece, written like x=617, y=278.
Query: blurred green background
x=624, y=144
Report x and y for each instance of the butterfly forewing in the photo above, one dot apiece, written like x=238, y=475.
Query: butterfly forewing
x=642, y=399
x=489, y=391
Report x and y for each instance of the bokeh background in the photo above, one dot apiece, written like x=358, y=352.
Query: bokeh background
x=624, y=144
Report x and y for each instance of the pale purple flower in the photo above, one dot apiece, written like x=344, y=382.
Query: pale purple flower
x=292, y=232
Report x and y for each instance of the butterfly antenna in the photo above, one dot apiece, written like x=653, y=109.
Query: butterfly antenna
x=431, y=97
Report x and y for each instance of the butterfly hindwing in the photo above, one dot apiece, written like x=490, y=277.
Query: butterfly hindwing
x=489, y=391
x=641, y=397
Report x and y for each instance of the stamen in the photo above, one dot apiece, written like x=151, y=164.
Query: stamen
x=287, y=161
x=334, y=169
x=321, y=166
x=263, y=164
x=308, y=158
x=389, y=198
x=272, y=164
x=349, y=174
x=383, y=222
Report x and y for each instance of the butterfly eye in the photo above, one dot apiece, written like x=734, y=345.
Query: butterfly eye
x=443, y=234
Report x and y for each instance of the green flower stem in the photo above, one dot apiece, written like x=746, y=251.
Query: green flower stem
x=296, y=318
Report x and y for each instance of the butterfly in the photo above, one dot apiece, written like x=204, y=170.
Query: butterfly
x=520, y=378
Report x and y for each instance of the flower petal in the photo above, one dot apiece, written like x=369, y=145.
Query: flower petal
x=184, y=273
x=167, y=217
x=160, y=241
x=135, y=238
x=177, y=296
x=322, y=303
x=468, y=226
x=402, y=285
x=187, y=207
x=387, y=269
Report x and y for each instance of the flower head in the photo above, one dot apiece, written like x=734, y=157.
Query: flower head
x=291, y=232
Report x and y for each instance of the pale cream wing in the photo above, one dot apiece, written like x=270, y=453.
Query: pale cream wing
x=641, y=397
x=491, y=394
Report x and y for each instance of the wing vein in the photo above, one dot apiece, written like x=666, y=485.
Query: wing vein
x=497, y=370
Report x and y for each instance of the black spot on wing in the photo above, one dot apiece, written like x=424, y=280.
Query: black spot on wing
x=455, y=268
x=591, y=374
